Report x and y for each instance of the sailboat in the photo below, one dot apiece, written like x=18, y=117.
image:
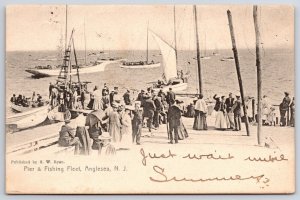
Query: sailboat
x=92, y=67
x=169, y=56
x=205, y=57
x=141, y=64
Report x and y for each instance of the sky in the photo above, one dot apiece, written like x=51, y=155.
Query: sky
x=124, y=27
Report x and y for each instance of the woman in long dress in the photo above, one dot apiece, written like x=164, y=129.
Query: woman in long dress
x=97, y=99
x=115, y=125
x=200, y=114
x=126, y=130
x=220, y=108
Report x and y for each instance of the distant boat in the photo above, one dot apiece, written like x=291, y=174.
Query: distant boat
x=205, y=57
x=227, y=58
x=141, y=64
x=27, y=119
x=96, y=67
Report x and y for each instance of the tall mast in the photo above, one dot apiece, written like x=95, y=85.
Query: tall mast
x=237, y=65
x=259, y=74
x=198, y=51
x=175, y=43
x=84, y=43
x=147, y=52
x=66, y=33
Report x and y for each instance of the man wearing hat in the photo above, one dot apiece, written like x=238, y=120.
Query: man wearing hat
x=174, y=116
x=149, y=109
x=236, y=109
x=67, y=137
x=137, y=122
x=229, y=103
x=170, y=97
x=127, y=98
x=284, y=106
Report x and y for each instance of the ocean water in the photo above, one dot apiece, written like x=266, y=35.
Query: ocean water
x=219, y=77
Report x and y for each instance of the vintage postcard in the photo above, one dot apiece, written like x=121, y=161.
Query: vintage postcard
x=150, y=99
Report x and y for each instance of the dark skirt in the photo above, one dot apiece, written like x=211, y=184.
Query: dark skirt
x=200, y=121
x=182, y=132
x=84, y=139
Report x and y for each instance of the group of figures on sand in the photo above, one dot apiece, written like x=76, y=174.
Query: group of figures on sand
x=227, y=113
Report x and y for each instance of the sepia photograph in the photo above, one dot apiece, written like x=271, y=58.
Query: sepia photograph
x=150, y=99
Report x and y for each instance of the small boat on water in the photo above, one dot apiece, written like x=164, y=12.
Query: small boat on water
x=227, y=58
x=27, y=119
x=96, y=67
x=141, y=64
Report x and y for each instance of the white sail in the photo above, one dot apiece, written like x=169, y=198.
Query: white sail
x=169, y=57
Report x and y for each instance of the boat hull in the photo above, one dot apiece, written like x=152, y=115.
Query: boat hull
x=22, y=115
x=28, y=120
x=175, y=88
x=83, y=70
x=140, y=66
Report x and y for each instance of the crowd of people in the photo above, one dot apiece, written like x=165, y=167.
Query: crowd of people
x=123, y=117
x=21, y=100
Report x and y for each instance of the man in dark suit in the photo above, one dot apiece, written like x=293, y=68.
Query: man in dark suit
x=149, y=108
x=170, y=97
x=174, y=116
x=283, y=108
x=236, y=109
x=137, y=123
x=229, y=103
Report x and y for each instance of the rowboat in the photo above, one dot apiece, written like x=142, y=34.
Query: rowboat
x=18, y=109
x=27, y=119
x=22, y=115
x=128, y=65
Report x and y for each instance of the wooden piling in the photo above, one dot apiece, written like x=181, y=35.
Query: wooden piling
x=198, y=51
x=253, y=109
x=237, y=64
x=259, y=75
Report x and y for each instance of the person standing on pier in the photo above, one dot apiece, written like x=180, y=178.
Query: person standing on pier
x=174, y=116
x=284, y=106
x=67, y=137
x=292, y=108
x=50, y=89
x=105, y=89
x=236, y=109
x=126, y=130
x=200, y=114
x=158, y=110
x=149, y=108
x=229, y=103
x=127, y=98
x=115, y=124
x=170, y=97
x=137, y=123
x=220, y=108
x=97, y=99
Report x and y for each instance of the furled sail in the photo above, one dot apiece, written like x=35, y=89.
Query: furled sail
x=169, y=57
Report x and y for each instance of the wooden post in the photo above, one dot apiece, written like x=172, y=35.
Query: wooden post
x=237, y=64
x=259, y=71
x=253, y=109
x=288, y=117
x=198, y=51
